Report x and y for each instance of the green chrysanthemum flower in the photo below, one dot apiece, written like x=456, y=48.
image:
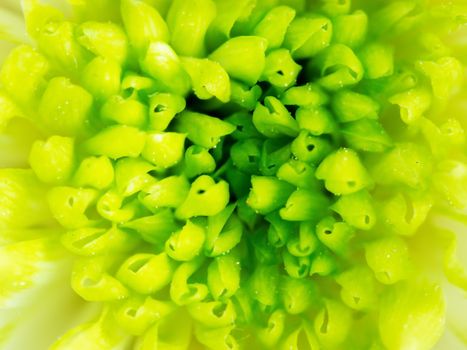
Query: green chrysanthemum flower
x=233, y=174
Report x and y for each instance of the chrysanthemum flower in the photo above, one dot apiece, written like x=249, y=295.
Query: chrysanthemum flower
x=233, y=174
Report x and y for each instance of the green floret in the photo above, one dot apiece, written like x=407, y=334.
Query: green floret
x=236, y=174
